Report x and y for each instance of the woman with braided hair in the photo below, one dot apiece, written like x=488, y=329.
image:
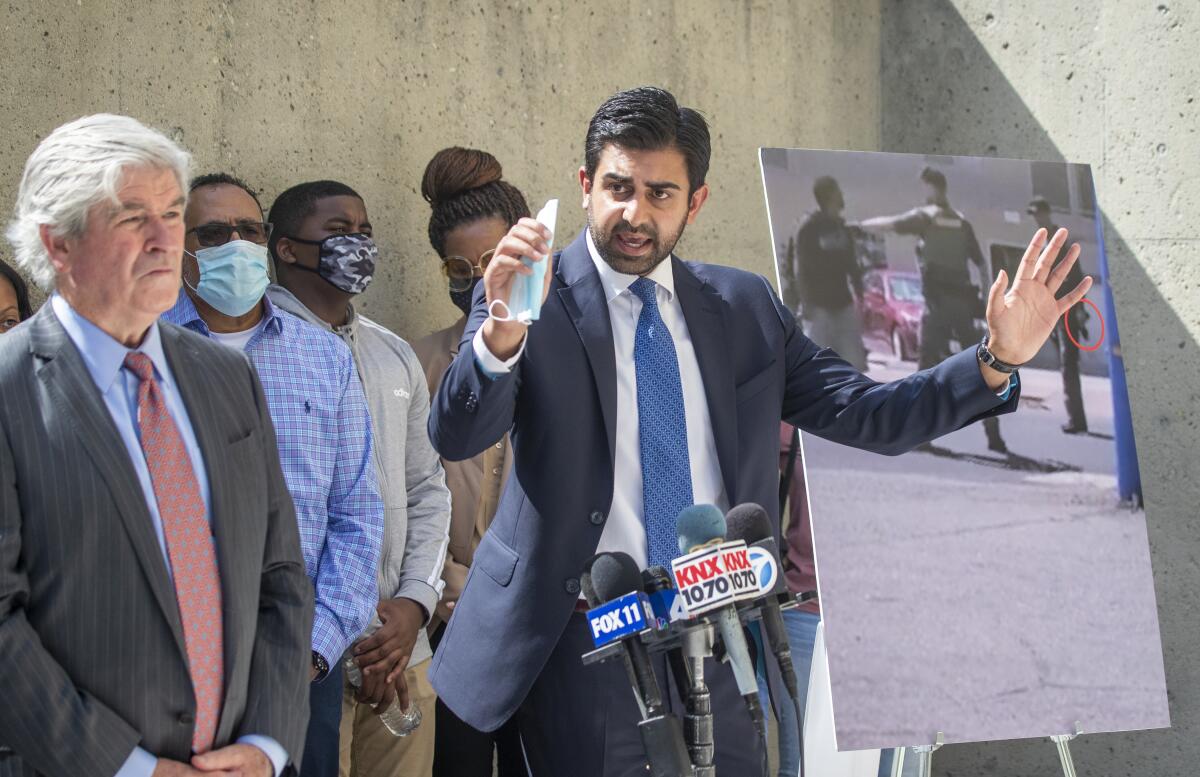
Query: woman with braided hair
x=473, y=207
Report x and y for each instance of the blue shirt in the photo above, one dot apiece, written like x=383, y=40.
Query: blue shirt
x=105, y=359
x=323, y=429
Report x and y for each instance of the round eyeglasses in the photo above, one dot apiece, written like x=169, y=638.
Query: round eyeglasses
x=460, y=271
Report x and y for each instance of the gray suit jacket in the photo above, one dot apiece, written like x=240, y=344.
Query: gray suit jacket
x=92, y=657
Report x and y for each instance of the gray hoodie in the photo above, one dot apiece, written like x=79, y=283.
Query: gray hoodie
x=416, y=502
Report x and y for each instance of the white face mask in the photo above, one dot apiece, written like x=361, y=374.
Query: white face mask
x=233, y=276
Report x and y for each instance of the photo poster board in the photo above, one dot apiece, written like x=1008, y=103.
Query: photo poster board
x=994, y=584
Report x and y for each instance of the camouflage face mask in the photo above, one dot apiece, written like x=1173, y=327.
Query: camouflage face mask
x=346, y=261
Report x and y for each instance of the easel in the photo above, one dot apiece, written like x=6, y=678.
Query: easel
x=924, y=754
x=1062, y=742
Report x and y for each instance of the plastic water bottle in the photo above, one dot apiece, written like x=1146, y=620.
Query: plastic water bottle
x=399, y=722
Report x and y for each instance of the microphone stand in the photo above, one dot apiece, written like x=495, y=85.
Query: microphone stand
x=698, y=718
x=696, y=637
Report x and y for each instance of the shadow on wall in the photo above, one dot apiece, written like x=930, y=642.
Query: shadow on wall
x=943, y=93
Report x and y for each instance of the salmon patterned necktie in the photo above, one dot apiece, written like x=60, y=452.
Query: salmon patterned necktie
x=190, y=548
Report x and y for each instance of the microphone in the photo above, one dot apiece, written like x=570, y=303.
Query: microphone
x=749, y=523
x=687, y=666
x=608, y=576
x=701, y=530
x=656, y=582
x=612, y=576
x=698, y=526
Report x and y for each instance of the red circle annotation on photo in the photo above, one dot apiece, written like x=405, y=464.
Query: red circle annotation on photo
x=1067, y=326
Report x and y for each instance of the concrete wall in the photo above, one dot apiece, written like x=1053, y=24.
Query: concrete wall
x=365, y=91
x=1113, y=83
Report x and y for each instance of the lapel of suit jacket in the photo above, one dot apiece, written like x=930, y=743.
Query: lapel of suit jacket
x=66, y=377
x=585, y=301
x=706, y=314
x=187, y=365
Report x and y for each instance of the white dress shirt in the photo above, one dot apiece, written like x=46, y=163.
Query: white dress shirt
x=625, y=530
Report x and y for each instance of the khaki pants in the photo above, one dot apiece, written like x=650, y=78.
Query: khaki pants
x=368, y=749
x=839, y=329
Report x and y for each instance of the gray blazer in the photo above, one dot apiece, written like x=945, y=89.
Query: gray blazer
x=92, y=657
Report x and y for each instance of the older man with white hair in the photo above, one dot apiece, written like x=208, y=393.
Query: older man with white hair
x=154, y=608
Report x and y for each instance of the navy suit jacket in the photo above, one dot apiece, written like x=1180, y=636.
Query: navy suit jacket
x=560, y=403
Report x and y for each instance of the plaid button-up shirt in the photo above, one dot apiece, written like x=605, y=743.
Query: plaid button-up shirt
x=323, y=429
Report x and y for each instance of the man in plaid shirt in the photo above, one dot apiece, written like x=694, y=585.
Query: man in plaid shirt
x=322, y=425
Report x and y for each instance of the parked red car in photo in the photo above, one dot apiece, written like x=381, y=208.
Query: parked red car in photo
x=892, y=307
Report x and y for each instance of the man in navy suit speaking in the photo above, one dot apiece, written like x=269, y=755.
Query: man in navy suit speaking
x=649, y=384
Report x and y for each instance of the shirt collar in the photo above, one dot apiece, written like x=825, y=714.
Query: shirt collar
x=616, y=282
x=184, y=313
x=103, y=355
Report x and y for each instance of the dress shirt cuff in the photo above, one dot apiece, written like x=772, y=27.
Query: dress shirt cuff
x=140, y=764
x=275, y=752
x=1006, y=392
x=327, y=638
x=490, y=364
x=422, y=594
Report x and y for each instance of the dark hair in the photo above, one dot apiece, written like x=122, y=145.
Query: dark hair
x=463, y=185
x=649, y=119
x=824, y=187
x=291, y=208
x=224, y=179
x=18, y=284
x=934, y=177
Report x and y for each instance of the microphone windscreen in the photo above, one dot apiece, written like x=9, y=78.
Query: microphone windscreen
x=749, y=523
x=614, y=575
x=699, y=524
x=585, y=583
x=656, y=578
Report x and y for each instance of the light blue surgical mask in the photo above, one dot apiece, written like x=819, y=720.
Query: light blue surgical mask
x=233, y=276
x=525, y=298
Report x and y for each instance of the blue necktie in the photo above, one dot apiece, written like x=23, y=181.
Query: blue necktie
x=662, y=428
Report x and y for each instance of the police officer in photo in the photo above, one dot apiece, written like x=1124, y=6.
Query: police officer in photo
x=826, y=270
x=1068, y=351
x=946, y=245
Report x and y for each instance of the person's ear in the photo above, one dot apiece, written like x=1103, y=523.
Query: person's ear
x=585, y=187
x=285, y=251
x=698, y=198
x=57, y=247
x=190, y=269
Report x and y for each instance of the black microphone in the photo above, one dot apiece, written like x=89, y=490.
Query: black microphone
x=655, y=579
x=609, y=576
x=687, y=665
x=749, y=523
x=702, y=525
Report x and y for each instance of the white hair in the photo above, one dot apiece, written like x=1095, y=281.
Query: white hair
x=77, y=166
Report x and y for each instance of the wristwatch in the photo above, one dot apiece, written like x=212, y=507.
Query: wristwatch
x=320, y=664
x=989, y=359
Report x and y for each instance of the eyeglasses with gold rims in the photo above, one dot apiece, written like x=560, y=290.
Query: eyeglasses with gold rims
x=461, y=271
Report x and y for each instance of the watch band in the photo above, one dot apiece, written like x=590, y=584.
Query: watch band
x=320, y=664
x=990, y=360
